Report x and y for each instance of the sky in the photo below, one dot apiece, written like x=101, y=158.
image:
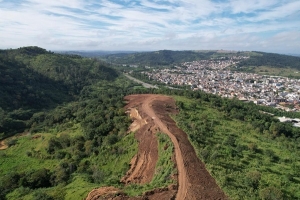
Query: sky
x=149, y=25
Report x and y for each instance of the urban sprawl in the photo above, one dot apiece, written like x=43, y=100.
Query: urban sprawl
x=213, y=76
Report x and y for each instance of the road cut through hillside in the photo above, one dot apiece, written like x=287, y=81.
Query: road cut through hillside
x=151, y=114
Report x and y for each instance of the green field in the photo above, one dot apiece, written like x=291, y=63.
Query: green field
x=273, y=71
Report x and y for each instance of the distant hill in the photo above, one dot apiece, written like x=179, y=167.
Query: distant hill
x=167, y=57
x=271, y=60
x=164, y=57
x=94, y=54
x=297, y=55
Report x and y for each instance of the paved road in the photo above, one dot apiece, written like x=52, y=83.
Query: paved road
x=146, y=85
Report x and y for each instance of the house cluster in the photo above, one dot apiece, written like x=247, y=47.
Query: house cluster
x=212, y=76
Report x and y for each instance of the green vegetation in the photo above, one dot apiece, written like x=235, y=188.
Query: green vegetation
x=272, y=71
x=271, y=64
x=71, y=145
x=242, y=149
x=164, y=169
x=272, y=60
x=77, y=147
x=34, y=80
x=70, y=111
x=166, y=57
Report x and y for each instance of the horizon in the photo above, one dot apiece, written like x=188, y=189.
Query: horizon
x=148, y=51
x=145, y=51
x=150, y=25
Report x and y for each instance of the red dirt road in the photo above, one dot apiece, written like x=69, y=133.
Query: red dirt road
x=194, y=181
x=182, y=176
x=151, y=115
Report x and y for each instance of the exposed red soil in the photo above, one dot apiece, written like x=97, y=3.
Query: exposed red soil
x=36, y=137
x=151, y=114
x=3, y=145
x=143, y=164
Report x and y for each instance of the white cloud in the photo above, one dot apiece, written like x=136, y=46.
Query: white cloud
x=172, y=24
x=242, y=6
x=280, y=12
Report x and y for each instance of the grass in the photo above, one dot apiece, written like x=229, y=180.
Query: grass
x=112, y=161
x=273, y=71
x=57, y=193
x=287, y=72
x=15, y=158
x=79, y=187
x=165, y=167
x=233, y=151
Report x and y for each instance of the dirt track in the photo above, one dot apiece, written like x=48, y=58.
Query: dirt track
x=151, y=114
x=182, y=177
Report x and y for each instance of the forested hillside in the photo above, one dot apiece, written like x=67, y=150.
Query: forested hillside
x=167, y=57
x=70, y=122
x=250, y=153
x=70, y=149
x=271, y=60
x=164, y=57
x=33, y=79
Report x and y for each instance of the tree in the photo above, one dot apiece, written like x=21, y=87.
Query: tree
x=37, y=179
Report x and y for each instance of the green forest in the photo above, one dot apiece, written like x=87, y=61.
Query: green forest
x=33, y=80
x=163, y=57
x=64, y=121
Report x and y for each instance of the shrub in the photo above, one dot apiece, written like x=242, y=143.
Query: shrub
x=11, y=142
x=37, y=179
x=252, y=147
x=270, y=193
x=38, y=195
x=252, y=179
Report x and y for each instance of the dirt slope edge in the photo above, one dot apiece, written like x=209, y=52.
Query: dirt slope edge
x=194, y=180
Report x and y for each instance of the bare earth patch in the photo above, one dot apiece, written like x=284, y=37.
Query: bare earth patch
x=151, y=115
x=3, y=146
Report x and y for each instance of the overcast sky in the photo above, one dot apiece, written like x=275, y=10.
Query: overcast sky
x=263, y=25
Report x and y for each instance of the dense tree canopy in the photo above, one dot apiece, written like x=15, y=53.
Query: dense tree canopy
x=33, y=79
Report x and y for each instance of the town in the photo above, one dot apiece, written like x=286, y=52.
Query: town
x=214, y=76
